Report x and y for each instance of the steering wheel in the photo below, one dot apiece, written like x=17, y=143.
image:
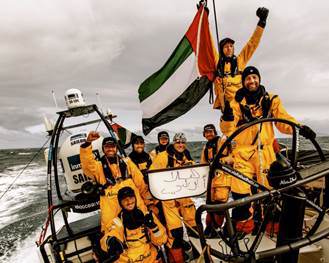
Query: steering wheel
x=216, y=164
x=293, y=161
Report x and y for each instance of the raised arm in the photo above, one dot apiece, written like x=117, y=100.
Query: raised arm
x=249, y=49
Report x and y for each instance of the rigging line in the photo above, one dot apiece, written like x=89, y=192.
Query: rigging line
x=24, y=168
x=215, y=16
x=101, y=108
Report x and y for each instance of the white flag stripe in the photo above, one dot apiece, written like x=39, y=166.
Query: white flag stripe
x=128, y=136
x=171, y=89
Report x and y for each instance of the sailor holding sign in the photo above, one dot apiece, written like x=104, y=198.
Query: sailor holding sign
x=176, y=155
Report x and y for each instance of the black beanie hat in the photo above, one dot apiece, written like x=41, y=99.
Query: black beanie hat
x=163, y=134
x=209, y=127
x=109, y=140
x=248, y=71
x=136, y=139
x=125, y=192
x=223, y=42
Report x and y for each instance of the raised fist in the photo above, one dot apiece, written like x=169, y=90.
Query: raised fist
x=262, y=13
x=92, y=136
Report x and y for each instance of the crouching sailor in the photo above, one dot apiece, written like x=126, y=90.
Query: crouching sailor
x=176, y=155
x=112, y=173
x=133, y=235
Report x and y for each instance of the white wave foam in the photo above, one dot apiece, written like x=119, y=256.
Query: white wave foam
x=26, y=251
x=27, y=188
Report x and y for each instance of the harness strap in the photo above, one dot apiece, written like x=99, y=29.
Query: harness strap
x=110, y=180
x=213, y=146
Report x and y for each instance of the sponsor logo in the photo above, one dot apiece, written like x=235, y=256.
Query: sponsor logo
x=74, y=160
x=78, y=138
x=80, y=178
x=85, y=208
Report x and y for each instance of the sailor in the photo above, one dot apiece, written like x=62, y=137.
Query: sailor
x=141, y=158
x=163, y=140
x=254, y=151
x=112, y=173
x=143, y=161
x=176, y=155
x=133, y=236
x=221, y=183
x=230, y=67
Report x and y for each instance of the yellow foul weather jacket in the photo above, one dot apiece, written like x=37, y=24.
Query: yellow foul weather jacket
x=109, y=206
x=221, y=183
x=253, y=154
x=173, y=209
x=140, y=246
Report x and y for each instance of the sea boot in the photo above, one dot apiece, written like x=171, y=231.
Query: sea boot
x=176, y=255
x=244, y=227
x=272, y=229
x=210, y=231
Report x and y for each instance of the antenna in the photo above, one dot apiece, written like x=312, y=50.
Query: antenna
x=99, y=102
x=54, y=97
x=48, y=125
x=109, y=114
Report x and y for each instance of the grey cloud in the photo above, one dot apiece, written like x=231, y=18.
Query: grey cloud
x=110, y=47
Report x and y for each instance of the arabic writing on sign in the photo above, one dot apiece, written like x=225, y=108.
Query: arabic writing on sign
x=184, y=180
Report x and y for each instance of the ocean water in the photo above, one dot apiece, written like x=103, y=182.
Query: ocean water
x=23, y=209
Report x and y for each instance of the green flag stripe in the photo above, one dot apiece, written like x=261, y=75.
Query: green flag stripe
x=155, y=81
x=189, y=98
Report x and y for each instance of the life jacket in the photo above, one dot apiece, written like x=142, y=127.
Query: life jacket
x=173, y=158
x=264, y=100
x=160, y=148
x=211, y=149
x=110, y=179
x=133, y=220
x=143, y=162
x=234, y=66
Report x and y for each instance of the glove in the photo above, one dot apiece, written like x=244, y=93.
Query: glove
x=149, y=221
x=262, y=13
x=228, y=112
x=307, y=132
x=114, y=248
x=199, y=5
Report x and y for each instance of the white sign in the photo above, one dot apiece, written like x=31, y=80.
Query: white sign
x=173, y=183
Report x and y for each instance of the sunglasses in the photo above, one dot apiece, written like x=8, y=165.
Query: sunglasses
x=110, y=145
x=180, y=142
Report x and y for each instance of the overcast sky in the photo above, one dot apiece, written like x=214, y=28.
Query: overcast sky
x=110, y=47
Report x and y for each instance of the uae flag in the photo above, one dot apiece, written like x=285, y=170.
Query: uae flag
x=183, y=80
x=123, y=135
